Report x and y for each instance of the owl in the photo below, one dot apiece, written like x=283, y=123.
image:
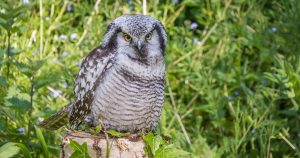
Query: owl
x=120, y=84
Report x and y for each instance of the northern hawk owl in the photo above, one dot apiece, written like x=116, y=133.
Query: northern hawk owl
x=120, y=84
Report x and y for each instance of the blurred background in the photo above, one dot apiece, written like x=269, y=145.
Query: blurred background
x=233, y=72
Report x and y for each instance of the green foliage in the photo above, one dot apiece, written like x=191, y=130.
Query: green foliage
x=42, y=141
x=9, y=149
x=158, y=148
x=233, y=73
x=26, y=152
x=80, y=151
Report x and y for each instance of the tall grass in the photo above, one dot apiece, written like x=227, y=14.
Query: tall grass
x=233, y=71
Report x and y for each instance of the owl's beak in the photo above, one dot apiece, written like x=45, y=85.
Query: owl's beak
x=139, y=44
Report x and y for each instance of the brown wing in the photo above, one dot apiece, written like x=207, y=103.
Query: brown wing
x=92, y=71
x=57, y=120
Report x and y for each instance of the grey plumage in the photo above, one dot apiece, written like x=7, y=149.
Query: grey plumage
x=120, y=84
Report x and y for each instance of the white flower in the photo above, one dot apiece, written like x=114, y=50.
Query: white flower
x=174, y=1
x=73, y=36
x=25, y=1
x=55, y=60
x=64, y=85
x=200, y=43
x=63, y=37
x=40, y=119
x=34, y=52
x=65, y=54
x=273, y=29
x=56, y=93
x=193, y=26
x=21, y=130
x=69, y=8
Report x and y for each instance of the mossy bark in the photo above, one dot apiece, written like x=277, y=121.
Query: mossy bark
x=100, y=146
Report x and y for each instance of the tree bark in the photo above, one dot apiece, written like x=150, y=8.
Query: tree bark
x=126, y=147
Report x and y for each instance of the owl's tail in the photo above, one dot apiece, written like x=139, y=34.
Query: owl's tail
x=57, y=120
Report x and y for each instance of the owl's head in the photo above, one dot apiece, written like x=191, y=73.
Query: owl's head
x=139, y=37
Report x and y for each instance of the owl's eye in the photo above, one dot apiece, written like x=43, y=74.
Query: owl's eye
x=126, y=37
x=149, y=36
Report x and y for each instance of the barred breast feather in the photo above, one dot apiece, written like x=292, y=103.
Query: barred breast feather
x=128, y=102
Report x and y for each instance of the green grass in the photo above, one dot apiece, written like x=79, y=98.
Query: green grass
x=233, y=83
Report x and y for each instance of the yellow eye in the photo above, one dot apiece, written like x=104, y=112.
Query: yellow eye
x=126, y=37
x=149, y=36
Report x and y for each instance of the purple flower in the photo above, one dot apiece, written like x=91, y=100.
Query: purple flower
x=55, y=93
x=69, y=8
x=21, y=130
x=65, y=54
x=193, y=26
x=273, y=29
x=55, y=60
x=63, y=37
x=34, y=52
x=64, y=85
x=73, y=36
x=174, y=1
x=25, y=1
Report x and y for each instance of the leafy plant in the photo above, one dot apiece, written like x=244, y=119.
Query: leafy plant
x=156, y=147
x=10, y=149
x=80, y=151
x=232, y=75
x=7, y=21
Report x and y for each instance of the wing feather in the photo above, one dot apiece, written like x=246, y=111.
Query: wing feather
x=92, y=71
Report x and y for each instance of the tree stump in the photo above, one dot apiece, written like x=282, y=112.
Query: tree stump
x=131, y=146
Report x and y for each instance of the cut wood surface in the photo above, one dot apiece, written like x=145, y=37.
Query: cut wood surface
x=131, y=146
